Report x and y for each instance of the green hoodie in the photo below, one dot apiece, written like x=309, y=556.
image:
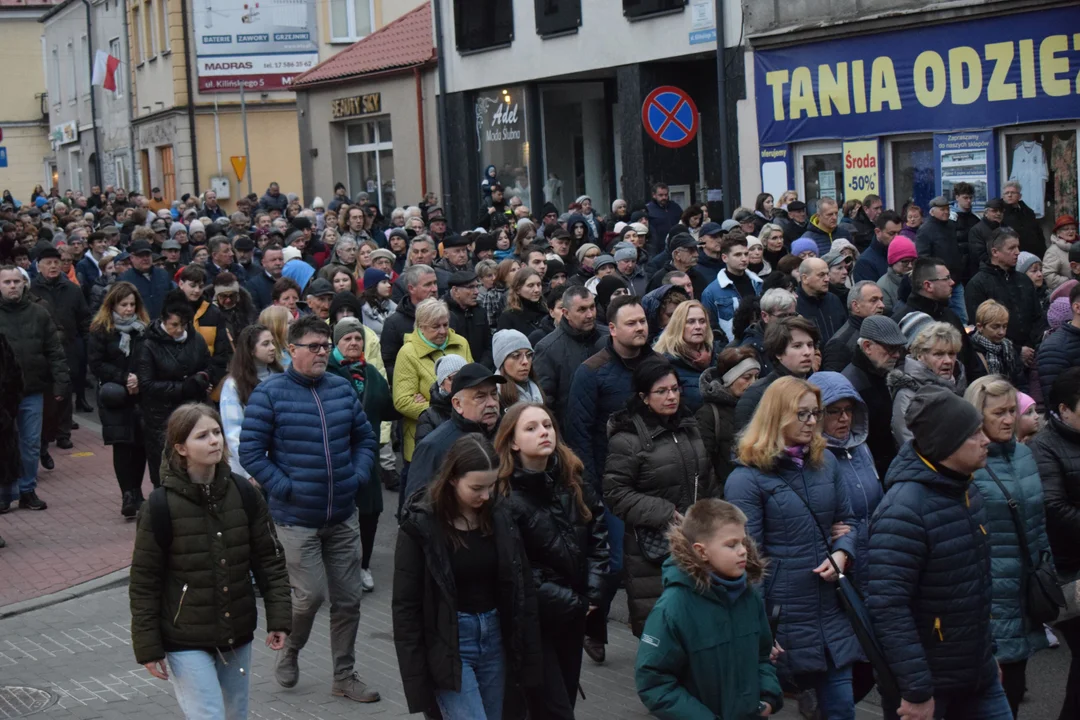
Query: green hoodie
x=702, y=657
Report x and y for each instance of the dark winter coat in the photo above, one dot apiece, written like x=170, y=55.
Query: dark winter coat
x=557, y=358
x=270, y=202
x=471, y=324
x=152, y=287
x=872, y=263
x=11, y=391
x=978, y=248
x=424, y=606
x=400, y=323
x=827, y=312
x=35, y=340
x=110, y=365
x=310, y=446
x=1057, y=452
x=198, y=595
x=438, y=411
x=841, y=347
x=786, y=533
x=937, y=238
x=930, y=591
x=690, y=378
x=873, y=387
x=525, y=320
x=655, y=468
x=1060, y=350
x=170, y=374
x=70, y=310
x=744, y=409
x=661, y=220
x=1017, y=637
x=1022, y=219
x=98, y=291
x=1014, y=290
x=428, y=457
x=754, y=337
x=863, y=236
x=716, y=423
x=964, y=222
x=261, y=287
x=792, y=230
x=568, y=555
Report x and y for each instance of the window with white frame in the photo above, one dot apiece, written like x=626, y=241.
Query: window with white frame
x=371, y=161
x=163, y=26
x=351, y=20
x=116, y=50
x=58, y=91
x=73, y=65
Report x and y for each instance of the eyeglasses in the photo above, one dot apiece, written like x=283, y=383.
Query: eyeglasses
x=663, y=392
x=947, y=278
x=838, y=412
x=592, y=255
x=316, y=348
x=805, y=415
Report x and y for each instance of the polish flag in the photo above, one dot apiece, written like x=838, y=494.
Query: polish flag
x=105, y=70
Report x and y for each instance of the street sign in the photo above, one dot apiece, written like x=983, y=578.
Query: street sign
x=239, y=165
x=3, y=157
x=670, y=116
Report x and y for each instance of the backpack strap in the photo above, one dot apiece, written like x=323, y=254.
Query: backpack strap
x=160, y=519
x=247, y=496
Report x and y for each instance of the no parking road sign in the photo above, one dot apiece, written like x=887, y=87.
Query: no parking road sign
x=670, y=116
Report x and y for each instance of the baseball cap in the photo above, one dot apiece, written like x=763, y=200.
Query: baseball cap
x=140, y=246
x=471, y=375
x=320, y=286
x=711, y=229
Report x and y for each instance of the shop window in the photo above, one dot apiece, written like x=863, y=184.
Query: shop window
x=1044, y=163
x=351, y=20
x=914, y=176
x=371, y=162
x=483, y=24
x=635, y=9
x=501, y=138
x=557, y=17
x=822, y=176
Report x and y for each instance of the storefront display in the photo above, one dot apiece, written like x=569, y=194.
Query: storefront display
x=969, y=158
x=501, y=138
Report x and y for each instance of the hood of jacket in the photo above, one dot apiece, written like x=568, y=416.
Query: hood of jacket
x=915, y=375
x=813, y=225
x=713, y=390
x=685, y=567
x=909, y=466
x=574, y=219
x=178, y=481
x=406, y=308
x=834, y=388
x=1060, y=244
x=651, y=303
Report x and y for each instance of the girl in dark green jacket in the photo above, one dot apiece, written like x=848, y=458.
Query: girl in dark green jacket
x=705, y=652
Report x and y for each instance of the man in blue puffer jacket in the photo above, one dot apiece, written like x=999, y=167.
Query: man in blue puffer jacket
x=307, y=442
x=929, y=560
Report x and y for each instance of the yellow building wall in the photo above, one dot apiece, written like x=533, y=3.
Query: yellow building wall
x=27, y=148
x=272, y=138
x=27, y=144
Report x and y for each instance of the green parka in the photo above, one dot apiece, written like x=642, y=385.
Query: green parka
x=199, y=596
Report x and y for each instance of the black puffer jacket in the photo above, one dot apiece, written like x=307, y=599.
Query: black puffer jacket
x=471, y=324
x=400, y=322
x=526, y=320
x=964, y=222
x=755, y=337
x=189, y=599
x=568, y=555
x=557, y=358
x=110, y=365
x=655, y=467
x=977, y=245
x=439, y=411
x=929, y=591
x=1060, y=350
x=170, y=374
x=69, y=308
x=424, y=606
x=11, y=390
x=937, y=238
x=1057, y=451
x=1022, y=219
x=1014, y=290
x=716, y=423
x=28, y=325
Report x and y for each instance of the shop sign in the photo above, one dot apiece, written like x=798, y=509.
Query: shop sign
x=498, y=118
x=967, y=157
x=862, y=165
x=776, y=175
x=501, y=118
x=356, y=105
x=65, y=133
x=1000, y=70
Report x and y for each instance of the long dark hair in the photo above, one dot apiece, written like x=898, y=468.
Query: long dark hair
x=242, y=367
x=470, y=453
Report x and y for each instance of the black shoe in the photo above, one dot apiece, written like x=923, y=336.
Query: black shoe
x=82, y=406
x=595, y=650
x=65, y=443
x=46, y=460
x=4, y=507
x=74, y=425
x=30, y=501
x=390, y=479
x=129, y=506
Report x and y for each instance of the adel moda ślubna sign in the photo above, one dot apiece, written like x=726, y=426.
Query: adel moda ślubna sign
x=996, y=71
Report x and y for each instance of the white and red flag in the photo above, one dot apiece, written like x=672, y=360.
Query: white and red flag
x=105, y=66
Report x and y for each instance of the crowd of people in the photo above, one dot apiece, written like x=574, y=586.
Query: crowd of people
x=821, y=453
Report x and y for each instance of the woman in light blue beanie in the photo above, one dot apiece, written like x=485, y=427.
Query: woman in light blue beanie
x=513, y=354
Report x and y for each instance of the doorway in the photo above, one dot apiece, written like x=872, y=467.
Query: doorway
x=820, y=173
x=578, y=153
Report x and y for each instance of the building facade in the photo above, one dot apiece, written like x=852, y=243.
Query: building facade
x=905, y=99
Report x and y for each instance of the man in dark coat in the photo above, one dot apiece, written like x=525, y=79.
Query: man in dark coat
x=11, y=392
x=865, y=222
x=421, y=283
x=558, y=355
x=789, y=344
x=153, y=283
x=493, y=206
x=931, y=288
x=273, y=199
x=964, y=219
x=1061, y=348
x=815, y=302
x=261, y=284
x=937, y=238
x=874, y=260
x=979, y=235
x=466, y=318
x=863, y=300
x=1023, y=220
x=795, y=223
x=664, y=214
x=825, y=226
x=879, y=346
x=929, y=593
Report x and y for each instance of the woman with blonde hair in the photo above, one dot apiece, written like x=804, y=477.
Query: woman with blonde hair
x=931, y=360
x=687, y=343
x=277, y=319
x=792, y=492
x=493, y=299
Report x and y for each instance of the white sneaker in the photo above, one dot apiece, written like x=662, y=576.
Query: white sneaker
x=1051, y=637
x=367, y=583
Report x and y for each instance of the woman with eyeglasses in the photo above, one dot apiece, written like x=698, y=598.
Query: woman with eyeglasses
x=931, y=360
x=513, y=354
x=793, y=493
x=586, y=258
x=657, y=467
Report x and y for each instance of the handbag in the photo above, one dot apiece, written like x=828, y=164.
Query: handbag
x=653, y=542
x=1043, y=597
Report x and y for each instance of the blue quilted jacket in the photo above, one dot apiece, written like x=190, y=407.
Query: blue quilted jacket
x=309, y=445
x=811, y=618
x=1017, y=637
x=930, y=594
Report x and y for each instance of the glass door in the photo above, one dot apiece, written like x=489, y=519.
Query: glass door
x=821, y=173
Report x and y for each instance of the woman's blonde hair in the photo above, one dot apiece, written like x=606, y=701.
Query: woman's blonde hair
x=119, y=292
x=931, y=335
x=991, y=386
x=671, y=340
x=431, y=310
x=763, y=440
x=276, y=319
x=991, y=311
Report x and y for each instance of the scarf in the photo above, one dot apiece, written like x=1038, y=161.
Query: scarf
x=733, y=588
x=797, y=454
x=700, y=359
x=1000, y=358
x=432, y=345
x=355, y=369
x=181, y=339
x=126, y=327
x=529, y=392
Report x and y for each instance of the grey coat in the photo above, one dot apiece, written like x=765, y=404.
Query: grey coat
x=903, y=384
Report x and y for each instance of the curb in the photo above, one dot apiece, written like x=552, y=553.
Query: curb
x=114, y=579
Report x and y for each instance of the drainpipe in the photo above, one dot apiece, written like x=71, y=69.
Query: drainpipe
x=190, y=94
x=136, y=178
x=420, y=126
x=93, y=100
x=444, y=141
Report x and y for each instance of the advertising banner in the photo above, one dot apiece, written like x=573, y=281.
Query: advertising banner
x=967, y=157
x=862, y=168
x=938, y=77
x=264, y=45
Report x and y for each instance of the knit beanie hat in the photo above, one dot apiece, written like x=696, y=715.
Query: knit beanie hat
x=1025, y=260
x=176, y=228
x=374, y=276
x=446, y=366
x=802, y=245
x=607, y=287
x=940, y=421
x=505, y=342
x=753, y=241
x=1059, y=313
x=584, y=249
x=383, y=254
x=912, y=325
x=195, y=227
x=1063, y=290
x=291, y=253
x=901, y=248
x=1023, y=402
x=347, y=325
x=625, y=254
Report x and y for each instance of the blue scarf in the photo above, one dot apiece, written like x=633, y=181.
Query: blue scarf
x=732, y=588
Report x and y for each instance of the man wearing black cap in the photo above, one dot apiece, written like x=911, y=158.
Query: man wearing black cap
x=684, y=258
x=244, y=247
x=474, y=397
x=795, y=223
x=170, y=251
x=929, y=594
x=319, y=295
x=710, y=258
x=153, y=283
x=979, y=236
x=455, y=255
x=466, y=318
x=877, y=348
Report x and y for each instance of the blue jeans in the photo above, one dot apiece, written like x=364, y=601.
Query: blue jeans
x=483, y=670
x=833, y=689
x=31, y=410
x=963, y=705
x=211, y=687
x=956, y=302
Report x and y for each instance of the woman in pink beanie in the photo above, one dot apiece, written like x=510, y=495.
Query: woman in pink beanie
x=1028, y=420
x=901, y=257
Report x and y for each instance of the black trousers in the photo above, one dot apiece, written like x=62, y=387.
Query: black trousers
x=862, y=680
x=56, y=418
x=129, y=464
x=154, y=442
x=555, y=698
x=368, y=525
x=1070, y=632
x=1013, y=678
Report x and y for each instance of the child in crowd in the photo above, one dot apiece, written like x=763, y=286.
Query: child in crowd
x=705, y=651
x=996, y=353
x=1028, y=421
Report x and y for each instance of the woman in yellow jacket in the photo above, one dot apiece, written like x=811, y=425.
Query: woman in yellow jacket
x=414, y=368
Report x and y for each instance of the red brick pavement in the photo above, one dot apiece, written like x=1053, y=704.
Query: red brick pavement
x=80, y=537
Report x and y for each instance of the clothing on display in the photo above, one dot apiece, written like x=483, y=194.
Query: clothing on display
x=1063, y=165
x=1030, y=170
